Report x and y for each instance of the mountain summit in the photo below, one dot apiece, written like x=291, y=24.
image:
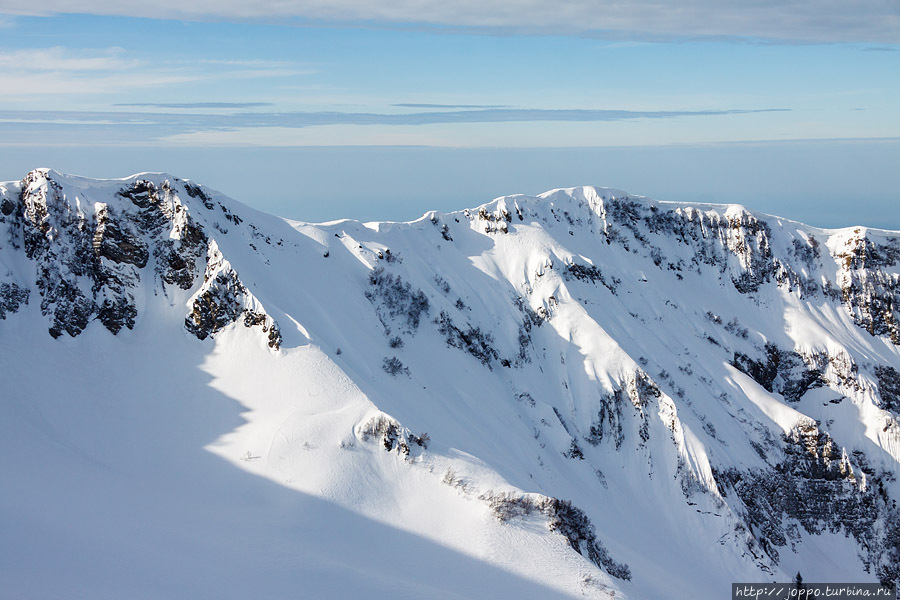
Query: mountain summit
x=583, y=393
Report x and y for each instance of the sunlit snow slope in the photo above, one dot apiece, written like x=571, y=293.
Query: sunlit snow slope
x=581, y=394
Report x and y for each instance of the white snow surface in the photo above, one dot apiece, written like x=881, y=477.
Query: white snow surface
x=152, y=464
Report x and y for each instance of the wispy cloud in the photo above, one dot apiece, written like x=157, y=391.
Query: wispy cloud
x=876, y=21
x=201, y=105
x=457, y=128
x=59, y=59
x=49, y=84
x=270, y=64
x=410, y=105
x=522, y=128
x=54, y=71
x=196, y=122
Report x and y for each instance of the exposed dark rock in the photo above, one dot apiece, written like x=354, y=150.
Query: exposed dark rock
x=11, y=298
x=142, y=193
x=713, y=237
x=531, y=319
x=195, y=191
x=608, y=423
x=574, y=451
x=217, y=307
x=393, y=366
x=395, y=301
x=573, y=524
x=117, y=312
x=638, y=389
x=781, y=371
x=112, y=242
x=225, y=300
x=230, y=216
x=814, y=485
x=267, y=324
x=177, y=262
x=471, y=339
x=88, y=264
x=807, y=251
x=871, y=295
x=642, y=391
x=59, y=242
x=496, y=221
x=565, y=519
x=7, y=207
x=889, y=388
x=591, y=274
x=393, y=436
x=69, y=308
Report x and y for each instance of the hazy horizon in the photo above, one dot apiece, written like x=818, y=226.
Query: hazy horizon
x=384, y=112
x=807, y=181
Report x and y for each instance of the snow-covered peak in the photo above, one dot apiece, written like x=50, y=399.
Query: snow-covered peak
x=619, y=390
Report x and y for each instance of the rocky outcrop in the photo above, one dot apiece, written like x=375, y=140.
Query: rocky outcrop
x=870, y=292
x=713, y=237
x=738, y=245
x=780, y=371
x=90, y=256
x=889, y=388
x=815, y=486
x=392, y=436
x=11, y=298
x=223, y=300
x=470, y=339
x=608, y=424
x=563, y=518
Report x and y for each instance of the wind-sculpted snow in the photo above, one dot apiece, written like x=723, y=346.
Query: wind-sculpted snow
x=643, y=398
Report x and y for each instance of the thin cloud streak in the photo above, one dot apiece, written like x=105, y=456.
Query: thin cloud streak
x=411, y=105
x=58, y=59
x=197, y=122
x=55, y=71
x=194, y=104
x=466, y=128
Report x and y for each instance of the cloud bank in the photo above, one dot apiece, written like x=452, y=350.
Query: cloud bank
x=452, y=128
x=872, y=21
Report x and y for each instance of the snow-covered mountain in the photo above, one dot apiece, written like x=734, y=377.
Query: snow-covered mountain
x=584, y=393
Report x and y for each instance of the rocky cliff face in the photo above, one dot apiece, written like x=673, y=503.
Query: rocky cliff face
x=809, y=482
x=805, y=480
x=741, y=370
x=90, y=254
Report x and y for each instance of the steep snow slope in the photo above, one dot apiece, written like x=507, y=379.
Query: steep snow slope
x=584, y=393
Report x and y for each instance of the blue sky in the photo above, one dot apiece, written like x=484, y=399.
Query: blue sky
x=433, y=93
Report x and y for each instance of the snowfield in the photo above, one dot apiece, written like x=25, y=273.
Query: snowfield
x=580, y=394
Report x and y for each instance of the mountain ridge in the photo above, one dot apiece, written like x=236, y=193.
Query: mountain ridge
x=736, y=368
